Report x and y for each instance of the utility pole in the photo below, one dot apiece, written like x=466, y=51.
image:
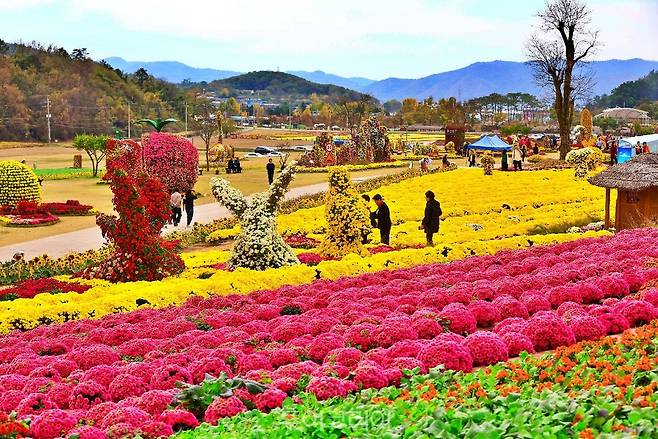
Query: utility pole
x=48, y=115
x=129, y=119
x=186, y=118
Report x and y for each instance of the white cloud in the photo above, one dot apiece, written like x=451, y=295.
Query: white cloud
x=628, y=29
x=12, y=5
x=301, y=26
x=377, y=38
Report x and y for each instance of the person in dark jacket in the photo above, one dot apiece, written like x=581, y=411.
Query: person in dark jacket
x=383, y=219
x=188, y=205
x=271, y=167
x=432, y=219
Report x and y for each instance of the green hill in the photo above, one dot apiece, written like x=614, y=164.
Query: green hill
x=84, y=96
x=283, y=86
x=632, y=93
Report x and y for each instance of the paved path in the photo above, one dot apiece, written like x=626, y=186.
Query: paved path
x=85, y=239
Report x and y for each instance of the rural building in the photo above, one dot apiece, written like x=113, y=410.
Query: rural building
x=636, y=182
x=627, y=115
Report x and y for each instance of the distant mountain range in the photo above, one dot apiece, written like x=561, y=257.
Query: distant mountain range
x=478, y=79
x=484, y=78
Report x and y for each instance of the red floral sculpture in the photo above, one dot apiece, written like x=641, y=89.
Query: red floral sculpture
x=141, y=201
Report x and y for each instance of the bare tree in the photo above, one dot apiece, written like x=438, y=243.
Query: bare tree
x=557, y=54
x=207, y=127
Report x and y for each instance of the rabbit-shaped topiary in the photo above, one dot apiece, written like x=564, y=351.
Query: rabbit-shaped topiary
x=259, y=246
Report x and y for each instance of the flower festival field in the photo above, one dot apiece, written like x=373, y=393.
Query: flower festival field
x=503, y=211
x=291, y=347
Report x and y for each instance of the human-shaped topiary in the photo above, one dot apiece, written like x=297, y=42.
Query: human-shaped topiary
x=347, y=217
x=259, y=246
x=17, y=183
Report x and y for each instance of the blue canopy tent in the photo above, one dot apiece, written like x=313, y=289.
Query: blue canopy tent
x=626, y=149
x=491, y=143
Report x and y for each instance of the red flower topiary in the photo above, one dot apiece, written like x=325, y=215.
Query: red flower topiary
x=548, y=331
x=171, y=159
x=460, y=319
x=223, y=408
x=517, y=343
x=142, y=203
x=586, y=327
x=486, y=313
x=448, y=353
x=486, y=348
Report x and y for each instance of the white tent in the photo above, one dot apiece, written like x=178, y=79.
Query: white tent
x=651, y=139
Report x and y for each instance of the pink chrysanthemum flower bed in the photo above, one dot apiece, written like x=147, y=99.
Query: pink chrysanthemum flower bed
x=119, y=375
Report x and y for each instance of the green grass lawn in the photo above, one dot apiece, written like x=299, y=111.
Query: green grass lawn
x=86, y=190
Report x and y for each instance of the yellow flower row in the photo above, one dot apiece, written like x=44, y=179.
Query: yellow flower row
x=106, y=298
x=505, y=204
x=354, y=168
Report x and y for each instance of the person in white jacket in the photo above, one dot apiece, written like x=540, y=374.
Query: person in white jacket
x=517, y=157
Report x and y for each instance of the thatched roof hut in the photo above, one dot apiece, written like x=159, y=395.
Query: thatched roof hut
x=637, y=174
x=636, y=182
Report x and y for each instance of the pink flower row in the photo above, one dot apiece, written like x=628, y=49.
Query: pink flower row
x=119, y=374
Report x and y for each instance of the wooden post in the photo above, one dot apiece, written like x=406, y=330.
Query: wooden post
x=607, y=208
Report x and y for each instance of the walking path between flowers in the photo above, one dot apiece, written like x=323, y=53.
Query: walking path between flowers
x=90, y=238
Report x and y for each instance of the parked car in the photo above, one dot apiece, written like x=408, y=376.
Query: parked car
x=302, y=148
x=274, y=154
x=264, y=150
x=253, y=155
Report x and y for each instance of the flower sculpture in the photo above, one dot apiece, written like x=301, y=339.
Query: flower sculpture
x=587, y=138
x=371, y=142
x=141, y=201
x=347, y=217
x=584, y=160
x=259, y=246
x=172, y=159
x=17, y=183
x=487, y=163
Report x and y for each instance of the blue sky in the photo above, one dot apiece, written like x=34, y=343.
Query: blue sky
x=372, y=38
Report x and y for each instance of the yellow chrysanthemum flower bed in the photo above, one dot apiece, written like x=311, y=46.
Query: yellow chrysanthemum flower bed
x=504, y=204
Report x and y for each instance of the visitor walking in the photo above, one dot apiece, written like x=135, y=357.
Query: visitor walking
x=383, y=219
x=472, y=158
x=270, y=171
x=432, y=219
x=176, y=202
x=638, y=148
x=517, y=157
x=613, y=153
x=645, y=148
x=188, y=205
